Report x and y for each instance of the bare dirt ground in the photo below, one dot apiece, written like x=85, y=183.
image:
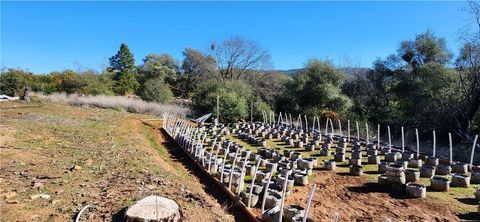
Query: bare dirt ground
x=81, y=156
x=355, y=199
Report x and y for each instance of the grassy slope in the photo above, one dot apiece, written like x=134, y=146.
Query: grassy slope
x=119, y=160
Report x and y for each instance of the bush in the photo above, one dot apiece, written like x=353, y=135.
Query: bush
x=156, y=90
x=13, y=81
x=234, y=99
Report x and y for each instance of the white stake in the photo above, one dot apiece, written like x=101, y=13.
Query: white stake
x=253, y=182
x=434, y=144
x=283, y=195
x=450, y=148
x=418, y=144
x=308, y=203
x=378, y=134
x=336, y=216
x=326, y=127
x=389, y=137
x=473, y=150
x=403, y=141
x=265, y=190
x=358, y=131
x=340, y=128
x=348, y=129
x=306, y=123
x=366, y=127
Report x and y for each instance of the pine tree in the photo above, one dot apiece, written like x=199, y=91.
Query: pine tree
x=125, y=73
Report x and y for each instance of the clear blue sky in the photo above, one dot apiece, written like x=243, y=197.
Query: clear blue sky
x=47, y=36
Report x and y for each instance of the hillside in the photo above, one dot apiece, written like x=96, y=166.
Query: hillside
x=80, y=156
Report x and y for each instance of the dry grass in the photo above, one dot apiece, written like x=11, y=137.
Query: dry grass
x=132, y=105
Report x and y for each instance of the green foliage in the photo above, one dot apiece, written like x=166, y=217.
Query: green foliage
x=156, y=90
x=316, y=89
x=234, y=99
x=13, y=81
x=123, y=66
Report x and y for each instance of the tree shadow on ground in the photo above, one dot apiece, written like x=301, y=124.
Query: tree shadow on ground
x=471, y=216
x=469, y=201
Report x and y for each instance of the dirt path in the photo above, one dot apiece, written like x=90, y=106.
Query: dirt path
x=79, y=156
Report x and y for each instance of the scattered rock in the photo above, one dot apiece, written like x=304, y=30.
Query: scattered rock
x=154, y=209
x=88, y=162
x=10, y=195
x=43, y=196
x=75, y=168
x=38, y=185
x=54, y=202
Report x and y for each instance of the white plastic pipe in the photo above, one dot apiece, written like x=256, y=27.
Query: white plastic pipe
x=265, y=190
x=403, y=141
x=309, y=201
x=340, y=128
x=378, y=135
x=473, y=150
x=358, y=131
x=348, y=129
x=389, y=137
x=253, y=182
x=434, y=144
x=284, y=190
x=418, y=144
x=326, y=127
x=450, y=147
x=366, y=127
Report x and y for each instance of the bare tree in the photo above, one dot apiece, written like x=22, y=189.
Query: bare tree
x=468, y=67
x=236, y=57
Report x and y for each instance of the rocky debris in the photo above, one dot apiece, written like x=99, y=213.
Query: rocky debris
x=43, y=196
x=154, y=209
x=10, y=195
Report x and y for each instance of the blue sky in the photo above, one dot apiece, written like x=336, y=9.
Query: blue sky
x=48, y=36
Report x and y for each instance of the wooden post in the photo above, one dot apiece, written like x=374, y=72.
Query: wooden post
x=450, y=147
x=418, y=144
x=473, y=150
x=308, y=202
x=434, y=144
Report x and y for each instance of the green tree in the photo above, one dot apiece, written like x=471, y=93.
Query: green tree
x=123, y=66
x=13, y=81
x=156, y=90
x=316, y=89
x=234, y=96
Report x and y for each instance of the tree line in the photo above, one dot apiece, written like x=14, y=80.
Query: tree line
x=421, y=85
